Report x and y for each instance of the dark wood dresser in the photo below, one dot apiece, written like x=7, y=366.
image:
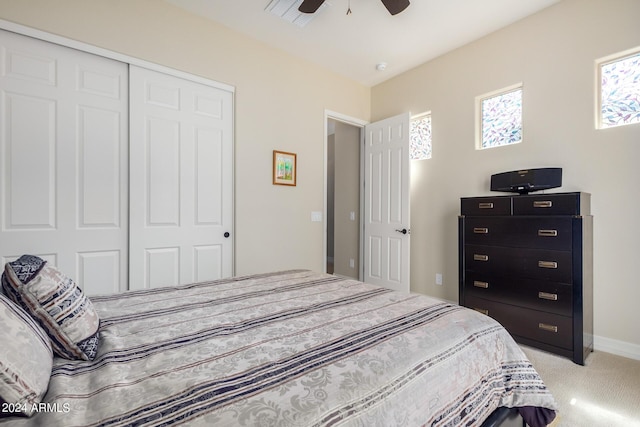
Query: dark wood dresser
x=526, y=261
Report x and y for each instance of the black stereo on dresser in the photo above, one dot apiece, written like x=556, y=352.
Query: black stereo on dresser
x=526, y=261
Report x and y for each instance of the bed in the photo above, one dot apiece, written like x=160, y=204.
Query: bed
x=291, y=348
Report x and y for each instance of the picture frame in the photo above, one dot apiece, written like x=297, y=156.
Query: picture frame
x=284, y=168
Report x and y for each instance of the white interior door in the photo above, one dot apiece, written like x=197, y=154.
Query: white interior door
x=181, y=189
x=386, y=203
x=63, y=167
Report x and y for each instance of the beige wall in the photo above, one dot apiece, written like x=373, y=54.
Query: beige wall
x=280, y=104
x=553, y=54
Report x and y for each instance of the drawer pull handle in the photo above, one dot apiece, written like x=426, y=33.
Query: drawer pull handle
x=481, y=230
x=479, y=284
x=485, y=205
x=542, y=204
x=548, y=296
x=547, y=264
x=549, y=328
x=477, y=257
x=482, y=310
x=548, y=233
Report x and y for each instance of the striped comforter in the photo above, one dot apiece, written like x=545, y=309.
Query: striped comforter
x=292, y=348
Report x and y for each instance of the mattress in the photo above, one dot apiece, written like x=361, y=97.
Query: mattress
x=292, y=348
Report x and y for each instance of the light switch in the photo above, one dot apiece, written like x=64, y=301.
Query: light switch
x=316, y=216
x=352, y=216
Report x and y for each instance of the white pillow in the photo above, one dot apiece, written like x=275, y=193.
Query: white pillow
x=25, y=358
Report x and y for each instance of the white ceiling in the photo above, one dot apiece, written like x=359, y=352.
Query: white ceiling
x=353, y=44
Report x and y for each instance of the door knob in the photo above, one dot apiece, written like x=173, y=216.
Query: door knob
x=226, y=234
x=403, y=231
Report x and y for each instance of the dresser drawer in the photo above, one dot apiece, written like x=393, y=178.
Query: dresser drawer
x=535, y=325
x=551, y=204
x=552, y=233
x=537, y=295
x=485, y=206
x=539, y=264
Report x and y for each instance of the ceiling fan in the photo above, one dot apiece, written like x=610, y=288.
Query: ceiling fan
x=393, y=6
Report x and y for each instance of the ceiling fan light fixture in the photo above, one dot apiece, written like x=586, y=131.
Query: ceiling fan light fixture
x=381, y=66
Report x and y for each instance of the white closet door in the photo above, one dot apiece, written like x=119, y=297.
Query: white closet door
x=181, y=188
x=63, y=160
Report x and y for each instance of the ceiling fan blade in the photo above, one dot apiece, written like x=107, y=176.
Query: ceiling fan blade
x=395, y=6
x=310, y=6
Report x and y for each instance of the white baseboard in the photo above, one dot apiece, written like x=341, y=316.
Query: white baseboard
x=620, y=348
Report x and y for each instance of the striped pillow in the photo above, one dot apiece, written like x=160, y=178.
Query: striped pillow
x=25, y=359
x=57, y=303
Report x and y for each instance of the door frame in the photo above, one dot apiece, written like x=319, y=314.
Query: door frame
x=359, y=123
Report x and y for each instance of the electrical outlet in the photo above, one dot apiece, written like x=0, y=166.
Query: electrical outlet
x=439, y=279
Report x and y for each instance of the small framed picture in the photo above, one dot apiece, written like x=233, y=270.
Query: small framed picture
x=284, y=168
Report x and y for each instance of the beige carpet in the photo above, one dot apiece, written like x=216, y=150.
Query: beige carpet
x=605, y=392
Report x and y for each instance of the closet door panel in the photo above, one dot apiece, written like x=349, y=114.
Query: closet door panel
x=64, y=179
x=181, y=181
x=100, y=269
x=162, y=266
x=99, y=168
x=162, y=163
x=209, y=172
x=29, y=144
x=208, y=262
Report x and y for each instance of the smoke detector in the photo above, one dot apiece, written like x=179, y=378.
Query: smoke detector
x=381, y=66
